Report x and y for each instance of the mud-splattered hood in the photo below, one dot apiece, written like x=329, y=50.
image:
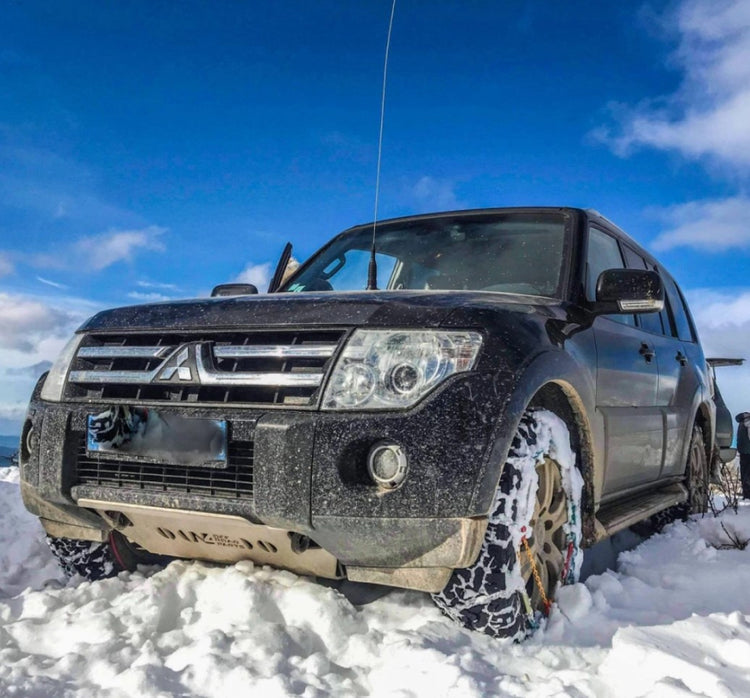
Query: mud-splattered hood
x=373, y=309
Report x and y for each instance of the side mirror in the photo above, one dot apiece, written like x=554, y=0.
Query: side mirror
x=233, y=290
x=629, y=291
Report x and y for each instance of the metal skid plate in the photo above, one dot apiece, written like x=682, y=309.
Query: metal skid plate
x=213, y=537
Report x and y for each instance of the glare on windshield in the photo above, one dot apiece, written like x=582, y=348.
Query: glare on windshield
x=519, y=253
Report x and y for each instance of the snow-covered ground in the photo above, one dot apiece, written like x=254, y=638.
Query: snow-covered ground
x=673, y=620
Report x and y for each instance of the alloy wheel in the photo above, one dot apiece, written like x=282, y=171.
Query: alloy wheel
x=545, y=534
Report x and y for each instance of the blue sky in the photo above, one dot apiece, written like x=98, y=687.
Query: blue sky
x=153, y=149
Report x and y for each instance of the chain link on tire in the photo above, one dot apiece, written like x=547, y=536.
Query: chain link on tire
x=90, y=560
x=94, y=561
x=496, y=593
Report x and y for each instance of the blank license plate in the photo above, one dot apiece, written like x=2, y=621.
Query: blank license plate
x=146, y=435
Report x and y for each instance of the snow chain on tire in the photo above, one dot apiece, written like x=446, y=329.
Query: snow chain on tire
x=491, y=595
x=90, y=560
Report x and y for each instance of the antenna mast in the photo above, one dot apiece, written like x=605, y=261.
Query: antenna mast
x=372, y=269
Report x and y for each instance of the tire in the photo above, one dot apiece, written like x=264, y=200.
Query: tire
x=94, y=561
x=538, y=497
x=696, y=474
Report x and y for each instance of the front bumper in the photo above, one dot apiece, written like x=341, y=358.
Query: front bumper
x=308, y=476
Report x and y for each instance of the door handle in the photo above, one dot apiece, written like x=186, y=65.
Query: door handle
x=681, y=358
x=647, y=352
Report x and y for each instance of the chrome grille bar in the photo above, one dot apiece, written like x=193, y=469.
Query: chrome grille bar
x=103, y=377
x=320, y=351
x=123, y=352
x=206, y=376
x=209, y=376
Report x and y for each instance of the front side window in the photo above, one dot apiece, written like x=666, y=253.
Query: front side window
x=651, y=322
x=603, y=253
x=507, y=253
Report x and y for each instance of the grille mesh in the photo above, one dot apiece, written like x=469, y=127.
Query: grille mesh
x=234, y=481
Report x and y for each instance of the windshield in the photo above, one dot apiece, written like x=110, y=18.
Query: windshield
x=510, y=253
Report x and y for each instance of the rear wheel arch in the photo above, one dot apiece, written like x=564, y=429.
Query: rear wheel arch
x=703, y=419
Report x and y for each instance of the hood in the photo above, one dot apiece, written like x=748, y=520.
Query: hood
x=361, y=308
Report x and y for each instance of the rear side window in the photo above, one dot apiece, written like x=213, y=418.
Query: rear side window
x=682, y=323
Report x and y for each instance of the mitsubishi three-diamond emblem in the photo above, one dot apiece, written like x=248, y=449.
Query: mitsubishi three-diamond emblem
x=180, y=366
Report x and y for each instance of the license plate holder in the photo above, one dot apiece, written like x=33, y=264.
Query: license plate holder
x=141, y=435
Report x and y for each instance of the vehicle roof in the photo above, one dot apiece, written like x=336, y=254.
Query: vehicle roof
x=469, y=212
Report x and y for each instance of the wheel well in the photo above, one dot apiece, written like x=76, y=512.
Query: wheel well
x=702, y=420
x=565, y=403
x=552, y=397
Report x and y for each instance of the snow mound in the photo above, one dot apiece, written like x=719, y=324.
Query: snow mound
x=25, y=559
x=676, y=609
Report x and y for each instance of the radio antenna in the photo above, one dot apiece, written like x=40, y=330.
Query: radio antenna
x=372, y=269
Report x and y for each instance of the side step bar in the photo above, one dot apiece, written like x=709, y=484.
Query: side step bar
x=620, y=515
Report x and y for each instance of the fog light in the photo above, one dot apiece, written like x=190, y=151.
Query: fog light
x=387, y=464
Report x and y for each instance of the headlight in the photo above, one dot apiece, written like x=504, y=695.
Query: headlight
x=390, y=369
x=52, y=389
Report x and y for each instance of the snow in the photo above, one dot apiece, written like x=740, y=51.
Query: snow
x=673, y=619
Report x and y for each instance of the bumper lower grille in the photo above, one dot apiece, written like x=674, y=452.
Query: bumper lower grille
x=264, y=368
x=234, y=481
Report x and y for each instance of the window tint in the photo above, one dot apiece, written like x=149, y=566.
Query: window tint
x=603, y=253
x=503, y=253
x=650, y=322
x=680, y=318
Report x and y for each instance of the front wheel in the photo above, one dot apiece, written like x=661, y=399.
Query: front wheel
x=94, y=561
x=533, y=539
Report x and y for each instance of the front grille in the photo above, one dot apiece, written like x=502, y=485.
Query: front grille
x=236, y=480
x=264, y=368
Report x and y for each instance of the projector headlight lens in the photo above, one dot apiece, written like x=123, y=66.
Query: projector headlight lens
x=392, y=369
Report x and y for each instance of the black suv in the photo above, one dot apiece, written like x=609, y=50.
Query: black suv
x=526, y=382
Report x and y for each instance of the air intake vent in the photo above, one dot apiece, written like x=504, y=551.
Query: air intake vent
x=281, y=368
x=234, y=481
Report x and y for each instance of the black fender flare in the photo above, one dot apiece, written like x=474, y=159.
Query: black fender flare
x=578, y=385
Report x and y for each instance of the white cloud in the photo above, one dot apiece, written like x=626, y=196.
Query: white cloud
x=6, y=266
x=97, y=252
x=257, y=274
x=27, y=322
x=156, y=284
x=54, y=284
x=11, y=417
x=709, y=114
x=723, y=320
x=101, y=251
x=713, y=225
x=431, y=194
x=148, y=297
x=33, y=331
